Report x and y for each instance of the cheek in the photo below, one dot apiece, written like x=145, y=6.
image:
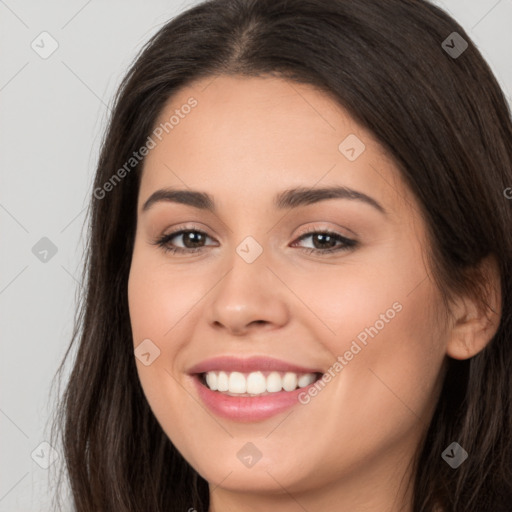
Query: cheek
x=382, y=321
x=155, y=304
x=160, y=298
x=160, y=311
x=392, y=360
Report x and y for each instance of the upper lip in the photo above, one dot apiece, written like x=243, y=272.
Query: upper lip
x=247, y=365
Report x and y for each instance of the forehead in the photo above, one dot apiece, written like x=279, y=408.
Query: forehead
x=251, y=136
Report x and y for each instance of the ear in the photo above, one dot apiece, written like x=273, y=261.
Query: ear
x=474, y=325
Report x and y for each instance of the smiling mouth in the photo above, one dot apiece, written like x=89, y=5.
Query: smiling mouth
x=257, y=383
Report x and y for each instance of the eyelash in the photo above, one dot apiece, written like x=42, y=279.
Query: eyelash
x=163, y=241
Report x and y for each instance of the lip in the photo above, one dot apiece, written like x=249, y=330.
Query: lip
x=246, y=409
x=247, y=365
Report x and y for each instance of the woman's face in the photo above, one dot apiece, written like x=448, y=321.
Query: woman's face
x=365, y=315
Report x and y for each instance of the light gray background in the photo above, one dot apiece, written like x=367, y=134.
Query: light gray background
x=52, y=117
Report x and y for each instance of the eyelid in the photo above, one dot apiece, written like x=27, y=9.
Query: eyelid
x=323, y=228
x=186, y=227
x=176, y=230
x=345, y=242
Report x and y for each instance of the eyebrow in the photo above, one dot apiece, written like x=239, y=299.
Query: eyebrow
x=291, y=198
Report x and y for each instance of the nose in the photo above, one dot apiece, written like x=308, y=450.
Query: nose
x=248, y=297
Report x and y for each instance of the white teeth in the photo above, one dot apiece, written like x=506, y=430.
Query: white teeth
x=255, y=383
x=211, y=380
x=274, y=382
x=237, y=383
x=306, y=380
x=222, y=381
x=290, y=381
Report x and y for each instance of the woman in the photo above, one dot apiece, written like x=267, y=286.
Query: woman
x=299, y=269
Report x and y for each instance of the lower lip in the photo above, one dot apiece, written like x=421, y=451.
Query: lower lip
x=247, y=408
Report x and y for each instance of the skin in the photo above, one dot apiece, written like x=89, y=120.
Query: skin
x=349, y=448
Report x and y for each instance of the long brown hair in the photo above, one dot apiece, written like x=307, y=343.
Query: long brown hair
x=447, y=124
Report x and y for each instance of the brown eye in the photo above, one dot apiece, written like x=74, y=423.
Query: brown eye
x=192, y=239
x=327, y=242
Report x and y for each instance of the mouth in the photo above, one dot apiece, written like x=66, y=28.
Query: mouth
x=256, y=383
x=252, y=397
x=251, y=389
